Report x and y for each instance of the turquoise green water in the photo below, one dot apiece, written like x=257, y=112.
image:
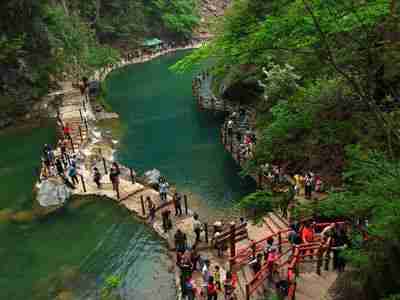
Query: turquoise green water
x=73, y=251
x=165, y=130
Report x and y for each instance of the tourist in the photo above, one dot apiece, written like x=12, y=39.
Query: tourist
x=163, y=189
x=166, y=221
x=229, y=126
x=196, y=227
x=328, y=232
x=318, y=184
x=205, y=272
x=190, y=289
x=185, y=265
x=217, y=277
x=152, y=211
x=308, y=186
x=97, y=177
x=194, y=258
x=293, y=235
x=308, y=235
x=62, y=144
x=67, y=131
x=212, y=293
x=59, y=166
x=72, y=173
x=72, y=161
x=268, y=245
x=180, y=243
x=229, y=286
x=114, y=176
x=339, y=244
x=219, y=245
x=177, y=204
x=298, y=182
x=271, y=262
x=256, y=263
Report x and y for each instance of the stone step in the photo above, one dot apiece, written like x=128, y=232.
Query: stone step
x=276, y=220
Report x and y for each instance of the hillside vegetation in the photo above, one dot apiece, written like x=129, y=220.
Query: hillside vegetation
x=324, y=78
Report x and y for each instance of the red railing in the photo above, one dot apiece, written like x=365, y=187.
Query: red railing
x=299, y=252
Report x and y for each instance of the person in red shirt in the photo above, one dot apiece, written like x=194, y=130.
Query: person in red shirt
x=308, y=234
x=212, y=293
x=67, y=131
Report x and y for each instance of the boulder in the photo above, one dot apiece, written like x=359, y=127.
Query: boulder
x=152, y=177
x=52, y=193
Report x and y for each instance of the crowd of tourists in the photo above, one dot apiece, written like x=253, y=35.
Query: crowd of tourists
x=214, y=283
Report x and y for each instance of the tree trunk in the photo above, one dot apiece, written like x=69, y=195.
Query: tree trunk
x=65, y=7
x=393, y=8
x=98, y=7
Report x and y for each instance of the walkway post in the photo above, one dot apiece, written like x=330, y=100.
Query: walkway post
x=247, y=291
x=83, y=183
x=117, y=190
x=80, y=113
x=186, y=204
x=142, y=204
x=206, y=231
x=280, y=242
x=232, y=236
x=132, y=176
x=104, y=165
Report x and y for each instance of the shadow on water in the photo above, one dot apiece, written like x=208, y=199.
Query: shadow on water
x=165, y=130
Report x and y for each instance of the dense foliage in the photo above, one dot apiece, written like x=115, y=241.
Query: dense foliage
x=43, y=41
x=329, y=70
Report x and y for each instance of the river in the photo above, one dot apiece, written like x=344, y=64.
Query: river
x=69, y=255
x=164, y=129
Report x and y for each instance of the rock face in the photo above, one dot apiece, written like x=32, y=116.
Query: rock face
x=52, y=193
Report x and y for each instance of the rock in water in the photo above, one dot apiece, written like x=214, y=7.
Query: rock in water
x=52, y=193
x=151, y=177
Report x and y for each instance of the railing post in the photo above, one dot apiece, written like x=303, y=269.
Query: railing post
x=232, y=236
x=86, y=125
x=280, y=242
x=83, y=183
x=132, y=176
x=80, y=133
x=185, y=200
x=143, y=207
x=247, y=291
x=80, y=113
x=206, y=231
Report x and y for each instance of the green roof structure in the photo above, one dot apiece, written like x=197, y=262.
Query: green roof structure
x=152, y=42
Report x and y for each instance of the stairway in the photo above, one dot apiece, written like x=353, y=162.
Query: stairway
x=311, y=286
